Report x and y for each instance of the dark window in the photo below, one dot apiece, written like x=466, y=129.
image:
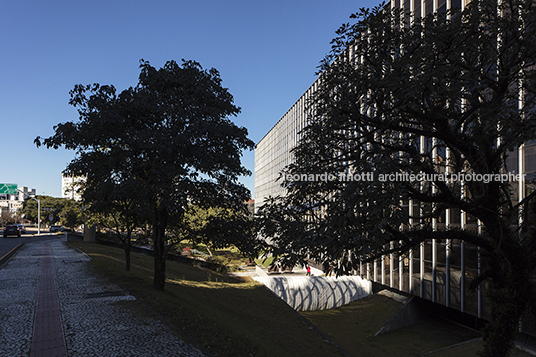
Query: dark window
x=456, y=4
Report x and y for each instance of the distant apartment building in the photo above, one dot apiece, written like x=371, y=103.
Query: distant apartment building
x=70, y=187
x=13, y=202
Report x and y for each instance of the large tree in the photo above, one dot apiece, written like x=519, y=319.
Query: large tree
x=171, y=133
x=446, y=94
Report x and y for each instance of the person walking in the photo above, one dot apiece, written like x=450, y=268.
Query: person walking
x=308, y=271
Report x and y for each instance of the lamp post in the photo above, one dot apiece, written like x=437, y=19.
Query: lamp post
x=38, y=215
x=38, y=210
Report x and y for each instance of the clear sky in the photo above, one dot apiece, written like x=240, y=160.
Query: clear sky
x=266, y=51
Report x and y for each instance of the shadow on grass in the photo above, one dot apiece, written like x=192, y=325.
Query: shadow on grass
x=471, y=349
x=354, y=326
x=222, y=315
x=228, y=317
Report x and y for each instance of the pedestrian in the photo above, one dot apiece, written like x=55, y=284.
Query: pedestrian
x=308, y=270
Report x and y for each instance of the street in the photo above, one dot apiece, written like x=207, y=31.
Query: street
x=10, y=242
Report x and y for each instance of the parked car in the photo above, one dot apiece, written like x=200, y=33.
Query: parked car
x=22, y=229
x=56, y=229
x=12, y=230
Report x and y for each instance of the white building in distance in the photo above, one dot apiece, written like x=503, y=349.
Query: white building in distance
x=11, y=203
x=70, y=187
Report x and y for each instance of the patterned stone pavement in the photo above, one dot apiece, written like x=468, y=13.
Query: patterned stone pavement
x=47, y=332
x=51, y=305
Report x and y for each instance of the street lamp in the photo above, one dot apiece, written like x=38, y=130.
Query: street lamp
x=38, y=210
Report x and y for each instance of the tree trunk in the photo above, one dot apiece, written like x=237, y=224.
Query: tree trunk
x=127, y=247
x=508, y=295
x=500, y=333
x=159, y=228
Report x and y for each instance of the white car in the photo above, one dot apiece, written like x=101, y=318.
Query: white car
x=56, y=229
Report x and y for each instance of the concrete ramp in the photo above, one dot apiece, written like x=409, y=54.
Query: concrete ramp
x=304, y=293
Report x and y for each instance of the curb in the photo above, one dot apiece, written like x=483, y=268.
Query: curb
x=11, y=253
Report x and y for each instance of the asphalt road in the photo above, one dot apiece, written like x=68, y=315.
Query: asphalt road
x=10, y=242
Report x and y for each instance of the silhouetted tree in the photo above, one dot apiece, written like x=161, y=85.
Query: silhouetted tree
x=459, y=85
x=171, y=134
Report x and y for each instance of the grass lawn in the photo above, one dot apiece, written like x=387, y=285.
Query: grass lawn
x=472, y=349
x=353, y=328
x=365, y=317
x=225, y=316
x=231, y=258
x=229, y=317
x=265, y=262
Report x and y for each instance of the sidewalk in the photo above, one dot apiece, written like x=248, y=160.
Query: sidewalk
x=51, y=305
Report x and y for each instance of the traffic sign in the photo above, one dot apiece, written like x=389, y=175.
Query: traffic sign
x=8, y=188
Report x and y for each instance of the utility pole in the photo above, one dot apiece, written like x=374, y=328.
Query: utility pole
x=38, y=210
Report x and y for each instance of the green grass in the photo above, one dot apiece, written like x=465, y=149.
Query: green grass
x=225, y=316
x=265, y=262
x=472, y=349
x=353, y=328
x=229, y=317
x=231, y=258
x=365, y=318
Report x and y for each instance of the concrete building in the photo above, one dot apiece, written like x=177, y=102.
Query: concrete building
x=440, y=272
x=70, y=187
x=14, y=202
x=272, y=153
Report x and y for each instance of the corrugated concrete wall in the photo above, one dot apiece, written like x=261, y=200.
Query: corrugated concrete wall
x=304, y=293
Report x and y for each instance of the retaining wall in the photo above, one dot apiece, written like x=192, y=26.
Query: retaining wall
x=304, y=293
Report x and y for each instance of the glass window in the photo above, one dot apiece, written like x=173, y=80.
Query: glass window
x=530, y=158
x=428, y=6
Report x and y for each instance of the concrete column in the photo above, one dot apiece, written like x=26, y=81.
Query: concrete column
x=462, y=258
x=410, y=283
x=89, y=233
x=410, y=212
x=391, y=267
x=400, y=270
x=375, y=273
x=421, y=268
x=448, y=243
x=479, y=273
x=383, y=269
x=434, y=220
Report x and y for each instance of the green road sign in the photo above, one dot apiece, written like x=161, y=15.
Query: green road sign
x=8, y=188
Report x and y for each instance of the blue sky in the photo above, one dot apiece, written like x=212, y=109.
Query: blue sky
x=266, y=52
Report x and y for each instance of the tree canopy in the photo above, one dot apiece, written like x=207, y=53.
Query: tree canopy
x=447, y=94
x=219, y=228
x=165, y=144
x=63, y=210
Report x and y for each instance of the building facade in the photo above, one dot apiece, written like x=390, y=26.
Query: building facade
x=70, y=187
x=440, y=272
x=272, y=153
x=12, y=203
